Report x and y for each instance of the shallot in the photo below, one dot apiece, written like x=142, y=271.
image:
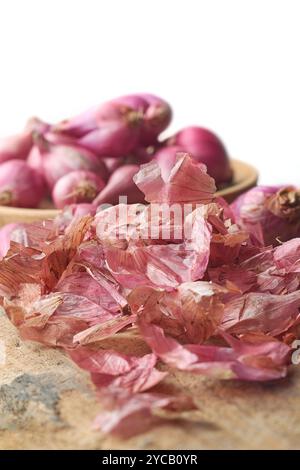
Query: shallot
x=56, y=161
x=207, y=148
x=121, y=184
x=271, y=214
x=110, y=129
x=77, y=187
x=16, y=146
x=20, y=185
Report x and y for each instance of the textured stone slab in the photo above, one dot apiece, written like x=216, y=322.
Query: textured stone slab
x=46, y=402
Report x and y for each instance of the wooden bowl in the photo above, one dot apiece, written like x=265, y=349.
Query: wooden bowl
x=244, y=177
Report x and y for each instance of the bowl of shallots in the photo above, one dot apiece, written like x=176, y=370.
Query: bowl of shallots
x=92, y=158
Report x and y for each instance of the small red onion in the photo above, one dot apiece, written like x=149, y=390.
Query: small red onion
x=121, y=184
x=110, y=129
x=205, y=147
x=76, y=187
x=20, y=185
x=166, y=159
x=16, y=146
x=157, y=117
x=113, y=163
x=271, y=214
x=62, y=159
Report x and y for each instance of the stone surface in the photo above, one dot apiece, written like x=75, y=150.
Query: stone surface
x=46, y=402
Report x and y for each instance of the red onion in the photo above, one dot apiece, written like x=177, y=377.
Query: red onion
x=121, y=184
x=271, y=214
x=56, y=161
x=113, y=163
x=157, y=117
x=16, y=146
x=166, y=158
x=110, y=129
x=36, y=125
x=35, y=160
x=207, y=148
x=20, y=185
x=76, y=187
x=156, y=114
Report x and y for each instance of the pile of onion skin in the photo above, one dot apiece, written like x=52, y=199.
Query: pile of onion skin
x=93, y=156
x=220, y=298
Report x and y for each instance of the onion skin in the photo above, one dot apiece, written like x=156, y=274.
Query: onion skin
x=20, y=185
x=121, y=184
x=205, y=147
x=76, y=187
x=6, y=234
x=271, y=214
x=16, y=146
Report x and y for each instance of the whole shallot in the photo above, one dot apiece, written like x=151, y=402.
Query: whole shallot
x=121, y=184
x=20, y=185
x=271, y=214
x=16, y=146
x=205, y=147
x=77, y=187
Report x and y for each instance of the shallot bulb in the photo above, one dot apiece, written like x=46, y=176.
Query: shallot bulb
x=156, y=115
x=166, y=158
x=77, y=187
x=15, y=147
x=271, y=214
x=111, y=129
x=20, y=185
x=205, y=147
x=121, y=184
x=56, y=161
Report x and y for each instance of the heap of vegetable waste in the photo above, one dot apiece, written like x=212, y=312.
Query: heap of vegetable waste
x=208, y=288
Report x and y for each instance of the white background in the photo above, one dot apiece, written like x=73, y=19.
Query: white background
x=230, y=65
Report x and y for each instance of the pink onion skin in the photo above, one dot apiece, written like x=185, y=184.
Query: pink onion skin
x=76, y=187
x=20, y=185
x=62, y=159
x=166, y=158
x=207, y=148
x=253, y=213
x=15, y=147
x=121, y=184
x=6, y=235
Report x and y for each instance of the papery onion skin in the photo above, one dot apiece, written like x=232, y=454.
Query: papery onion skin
x=271, y=214
x=77, y=187
x=15, y=147
x=121, y=184
x=205, y=147
x=6, y=235
x=20, y=185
